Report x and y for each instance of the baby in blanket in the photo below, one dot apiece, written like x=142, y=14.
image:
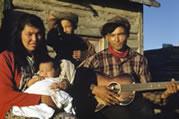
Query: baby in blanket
x=48, y=82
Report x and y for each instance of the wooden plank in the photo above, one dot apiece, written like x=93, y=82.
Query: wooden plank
x=147, y=2
x=133, y=43
x=140, y=32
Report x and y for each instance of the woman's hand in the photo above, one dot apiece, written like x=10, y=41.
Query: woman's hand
x=54, y=86
x=48, y=100
x=62, y=85
x=171, y=89
x=34, y=80
x=76, y=54
x=105, y=94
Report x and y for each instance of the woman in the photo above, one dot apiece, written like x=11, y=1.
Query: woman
x=19, y=64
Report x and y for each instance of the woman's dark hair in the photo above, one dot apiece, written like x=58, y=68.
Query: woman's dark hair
x=16, y=45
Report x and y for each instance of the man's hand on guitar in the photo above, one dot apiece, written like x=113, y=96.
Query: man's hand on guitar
x=171, y=89
x=105, y=94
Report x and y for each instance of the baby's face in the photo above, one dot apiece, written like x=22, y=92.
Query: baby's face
x=47, y=70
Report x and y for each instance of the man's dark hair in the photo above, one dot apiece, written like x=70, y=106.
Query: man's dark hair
x=16, y=45
x=113, y=23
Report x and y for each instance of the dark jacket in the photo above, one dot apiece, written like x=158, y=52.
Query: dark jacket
x=64, y=45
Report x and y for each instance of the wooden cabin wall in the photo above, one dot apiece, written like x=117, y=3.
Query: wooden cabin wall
x=92, y=15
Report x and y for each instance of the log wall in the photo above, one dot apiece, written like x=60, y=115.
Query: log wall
x=92, y=15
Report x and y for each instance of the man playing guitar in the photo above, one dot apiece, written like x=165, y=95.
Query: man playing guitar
x=90, y=87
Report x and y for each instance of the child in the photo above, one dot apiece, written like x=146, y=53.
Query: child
x=47, y=82
x=49, y=68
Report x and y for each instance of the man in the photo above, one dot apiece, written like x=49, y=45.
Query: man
x=61, y=37
x=116, y=63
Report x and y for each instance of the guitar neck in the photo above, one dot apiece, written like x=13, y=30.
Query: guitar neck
x=144, y=86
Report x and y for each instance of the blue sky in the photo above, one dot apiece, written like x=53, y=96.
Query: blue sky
x=161, y=25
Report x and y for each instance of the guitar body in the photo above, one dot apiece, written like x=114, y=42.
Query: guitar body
x=115, y=83
x=125, y=87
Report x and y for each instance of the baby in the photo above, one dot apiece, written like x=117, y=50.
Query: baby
x=49, y=68
x=47, y=82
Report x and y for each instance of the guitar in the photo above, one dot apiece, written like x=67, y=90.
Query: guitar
x=125, y=87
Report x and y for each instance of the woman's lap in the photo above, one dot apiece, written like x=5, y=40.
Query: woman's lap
x=59, y=115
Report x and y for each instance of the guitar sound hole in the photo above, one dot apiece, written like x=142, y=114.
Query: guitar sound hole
x=115, y=87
